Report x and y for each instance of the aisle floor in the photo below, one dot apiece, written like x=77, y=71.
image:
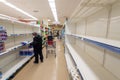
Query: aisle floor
x=51, y=69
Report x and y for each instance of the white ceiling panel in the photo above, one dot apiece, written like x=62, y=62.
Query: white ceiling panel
x=10, y=12
x=65, y=8
x=40, y=9
x=30, y=6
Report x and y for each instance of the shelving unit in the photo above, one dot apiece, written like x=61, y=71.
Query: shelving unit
x=72, y=67
x=88, y=68
x=111, y=45
x=93, y=41
x=10, y=49
x=85, y=63
x=17, y=32
x=11, y=68
x=16, y=61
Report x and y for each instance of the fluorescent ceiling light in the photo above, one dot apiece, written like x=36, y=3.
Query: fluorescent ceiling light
x=16, y=8
x=56, y=22
x=2, y=16
x=49, y=20
x=53, y=9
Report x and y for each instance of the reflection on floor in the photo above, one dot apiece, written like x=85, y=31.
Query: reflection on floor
x=51, y=69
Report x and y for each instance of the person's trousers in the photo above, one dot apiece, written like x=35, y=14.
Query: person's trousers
x=38, y=53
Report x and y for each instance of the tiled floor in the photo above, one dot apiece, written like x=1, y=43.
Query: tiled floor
x=51, y=69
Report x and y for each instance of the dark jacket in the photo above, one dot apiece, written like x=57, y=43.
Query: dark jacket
x=37, y=42
x=50, y=38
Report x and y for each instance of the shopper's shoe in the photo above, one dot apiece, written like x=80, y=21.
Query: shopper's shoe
x=42, y=61
x=36, y=62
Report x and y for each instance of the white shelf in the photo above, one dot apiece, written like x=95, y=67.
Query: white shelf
x=12, y=48
x=114, y=43
x=8, y=66
x=111, y=45
x=69, y=61
x=89, y=69
x=12, y=70
x=11, y=35
x=72, y=67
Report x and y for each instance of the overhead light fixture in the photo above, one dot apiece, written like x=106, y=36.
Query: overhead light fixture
x=53, y=9
x=2, y=16
x=49, y=20
x=16, y=8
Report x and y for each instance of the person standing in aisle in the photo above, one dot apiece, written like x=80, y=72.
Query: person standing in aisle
x=37, y=47
x=60, y=35
x=57, y=34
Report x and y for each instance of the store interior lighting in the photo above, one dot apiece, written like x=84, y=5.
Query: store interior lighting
x=53, y=9
x=49, y=20
x=2, y=16
x=18, y=9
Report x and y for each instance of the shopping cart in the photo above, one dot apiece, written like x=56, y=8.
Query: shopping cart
x=50, y=48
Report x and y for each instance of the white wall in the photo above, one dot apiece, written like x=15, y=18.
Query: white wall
x=71, y=28
x=97, y=27
x=29, y=29
x=97, y=24
x=114, y=29
x=81, y=30
x=19, y=28
x=112, y=63
x=112, y=60
x=81, y=27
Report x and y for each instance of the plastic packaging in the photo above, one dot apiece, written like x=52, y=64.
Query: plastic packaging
x=24, y=43
x=26, y=52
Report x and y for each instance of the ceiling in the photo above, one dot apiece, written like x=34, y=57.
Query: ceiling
x=72, y=9
x=40, y=9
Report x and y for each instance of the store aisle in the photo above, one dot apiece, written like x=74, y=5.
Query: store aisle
x=51, y=69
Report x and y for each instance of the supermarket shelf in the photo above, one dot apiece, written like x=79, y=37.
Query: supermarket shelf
x=111, y=45
x=18, y=63
x=19, y=34
x=5, y=68
x=89, y=69
x=12, y=48
x=72, y=67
